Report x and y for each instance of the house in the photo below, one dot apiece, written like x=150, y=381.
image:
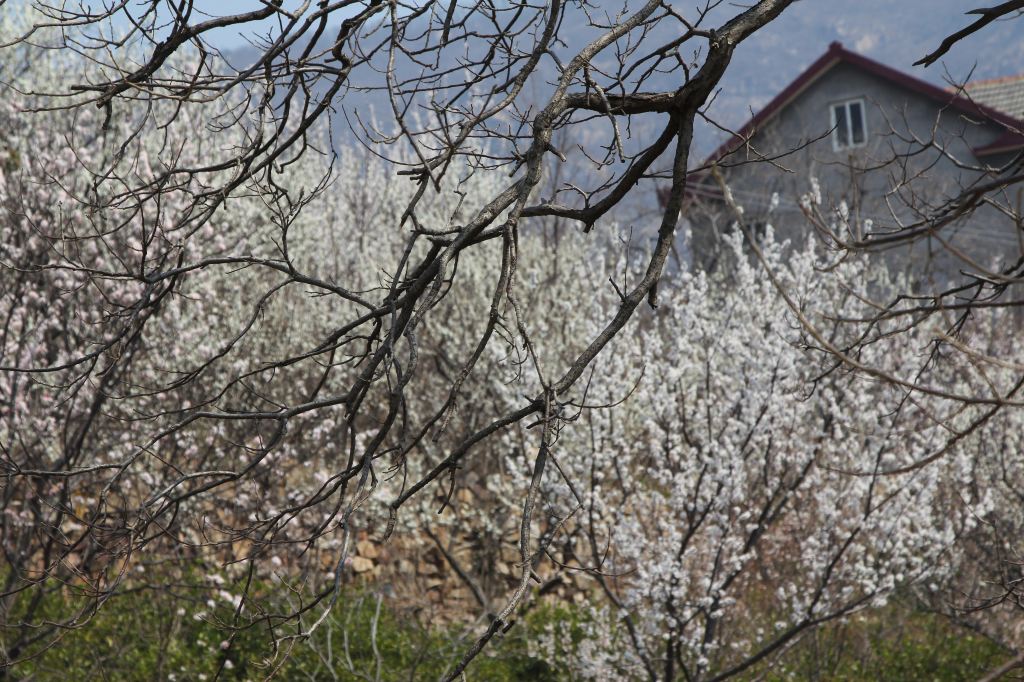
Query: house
x=887, y=149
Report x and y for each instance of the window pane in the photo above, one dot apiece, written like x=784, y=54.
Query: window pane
x=857, y=129
x=842, y=132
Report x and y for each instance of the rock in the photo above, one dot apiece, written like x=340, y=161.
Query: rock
x=367, y=549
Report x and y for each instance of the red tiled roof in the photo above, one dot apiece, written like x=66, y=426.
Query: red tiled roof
x=1003, y=94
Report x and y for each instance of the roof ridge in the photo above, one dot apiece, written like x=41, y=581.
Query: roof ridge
x=994, y=81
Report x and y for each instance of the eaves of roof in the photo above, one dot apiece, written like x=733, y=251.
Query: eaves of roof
x=1009, y=141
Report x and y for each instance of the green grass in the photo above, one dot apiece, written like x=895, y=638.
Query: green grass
x=174, y=633
x=895, y=644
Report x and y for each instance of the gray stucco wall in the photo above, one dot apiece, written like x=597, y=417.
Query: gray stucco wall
x=917, y=156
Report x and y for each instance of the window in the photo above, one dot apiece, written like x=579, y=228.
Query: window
x=848, y=125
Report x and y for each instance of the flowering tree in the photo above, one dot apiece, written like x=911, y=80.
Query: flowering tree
x=232, y=343
x=203, y=413
x=743, y=493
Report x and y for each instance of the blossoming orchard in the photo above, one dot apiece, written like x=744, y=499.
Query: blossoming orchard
x=369, y=349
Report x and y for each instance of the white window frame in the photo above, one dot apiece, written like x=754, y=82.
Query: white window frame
x=833, y=124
